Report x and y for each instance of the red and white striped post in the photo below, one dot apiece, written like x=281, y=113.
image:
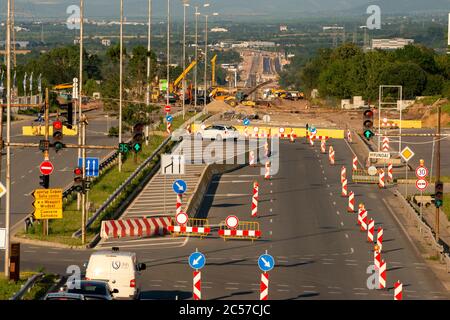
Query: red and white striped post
x=252, y=160
x=382, y=274
x=331, y=155
x=380, y=238
x=255, y=199
x=381, y=179
x=323, y=146
x=264, y=286
x=311, y=140
x=267, y=172
x=351, y=202
x=385, y=146
x=398, y=291
x=364, y=220
x=179, y=198
x=355, y=163
x=344, y=192
x=377, y=259
x=169, y=125
x=360, y=210
x=349, y=136
x=390, y=172
x=266, y=149
x=291, y=136
x=370, y=230
x=197, y=288
x=246, y=132
x=343, y=173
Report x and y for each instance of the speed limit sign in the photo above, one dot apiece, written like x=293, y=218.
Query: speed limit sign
x=421, y=184
x=421, y=172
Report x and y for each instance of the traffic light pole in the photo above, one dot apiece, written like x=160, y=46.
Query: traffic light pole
x=47, y=107
x=83, y=194
x=438, y=168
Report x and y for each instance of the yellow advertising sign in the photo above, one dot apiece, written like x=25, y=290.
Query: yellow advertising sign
x=48, y=204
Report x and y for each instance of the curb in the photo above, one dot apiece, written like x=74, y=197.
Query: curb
x=46, y=243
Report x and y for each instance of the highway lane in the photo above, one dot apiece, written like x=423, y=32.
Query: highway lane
x=320, y=252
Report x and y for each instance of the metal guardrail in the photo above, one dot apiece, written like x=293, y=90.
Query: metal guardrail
x=27, y=286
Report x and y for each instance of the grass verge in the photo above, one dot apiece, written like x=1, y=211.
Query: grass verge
x=9, y=288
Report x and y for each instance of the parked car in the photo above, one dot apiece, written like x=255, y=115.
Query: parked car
x=64, y=296
x=218, y=132
x=172, y=98
x=92, y=289
x=120, y=270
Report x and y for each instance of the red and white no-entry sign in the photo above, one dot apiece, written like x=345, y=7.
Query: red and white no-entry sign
x=421, y=184
x=167, y=108
x=46, y=168
x=421, y=172
x=182, y=218
x=232, y=222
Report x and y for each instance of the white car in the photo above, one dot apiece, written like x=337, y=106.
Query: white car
x=218, y=132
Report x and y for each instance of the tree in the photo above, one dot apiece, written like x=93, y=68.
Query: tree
x=407, y=74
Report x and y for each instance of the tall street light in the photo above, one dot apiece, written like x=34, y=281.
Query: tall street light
x=196, y=57
x=185, y=5
x=168, y=51
x=148, y=63
x=121, y=82
x=206, y=57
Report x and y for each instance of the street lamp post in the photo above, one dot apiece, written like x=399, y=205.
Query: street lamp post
x=206, y=57
x=121, y=82
x=168, y=51
x=148, y=64
x=196, y=57
x=185, y=5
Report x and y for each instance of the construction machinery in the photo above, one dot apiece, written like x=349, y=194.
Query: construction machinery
x=241, y=97
x=213, y=70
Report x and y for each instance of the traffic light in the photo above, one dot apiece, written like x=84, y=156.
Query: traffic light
x=368, y=124
x=44, y=181
x=57, y=135
x=69, y=115
x=124, y=148
x=439, y=194
x=138, y=137
x=78, y=179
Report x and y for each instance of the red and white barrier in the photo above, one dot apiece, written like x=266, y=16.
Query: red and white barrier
x=292, y=136
x=390, y=172
x=264, y=286
x=385, y=146
x=381, y=179
x=351, y=202
x=370, y=230
x=267, y=172
x=255, y=199
x=169, y=125
x=311, y=140
x=382, y=274
x=343, y=173
x=179, y=198
x=323, y=146
x=331, y=155
x=355, y=163
x=135, y=227
x=349, y=136
x=377, y=259
x=398, y=291
x=246, y=132
x=380, y=238
x=363, y=220
x=184, y=229
x=197, y=285
x=252, y=159
x=239, y=233
x=344, y=192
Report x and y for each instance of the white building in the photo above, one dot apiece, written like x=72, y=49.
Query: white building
x=219, y=30
x=390, y=44
x=283, y=27
x=326, y=28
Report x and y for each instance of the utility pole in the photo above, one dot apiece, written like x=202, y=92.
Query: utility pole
x=83, y=193
x=438, y=167
x=185, y=4
x=121, y=82
x=8, y=138
x=80, y=85
x=148, y=64
x=168, y=51
x=206, y=58
x=46, y=155
x=196, y=57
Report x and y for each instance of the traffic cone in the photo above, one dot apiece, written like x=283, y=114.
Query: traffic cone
x=344, y=192
x=291, y=136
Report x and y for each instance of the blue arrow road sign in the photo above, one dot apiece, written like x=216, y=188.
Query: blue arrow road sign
x=266, y=262
x=92, y=166
x=246, y=122
x=169, y=118
x=197, y=260
x=313, y=130
x=179, y=186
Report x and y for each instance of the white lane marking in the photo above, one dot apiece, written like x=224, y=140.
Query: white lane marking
x=352, y=250
x=342, y=224
x=308, y=286
x=271, y=220
x=178, y=286
x=182, y=281
x=323, y=172
x=271, y=191
x=206, y=287
x=359, y=289
x=327, y=263
x=325, y=178
x=232, y=181
x=30, y=171
x=328, y=185
x=327, y=259
x=155, y=285
x=227, y=195
x=270, y=232
x=337, y=212
x=338, y=288
x=233, y=283
x=334, y=203
x=351, y=264
x=331, y=193
x=22, y=177
x=334, y=292
x=283, y=290
x=283, y=285
x=270, y=210
x=361, y=293
x=346, y=235
x=231, y=288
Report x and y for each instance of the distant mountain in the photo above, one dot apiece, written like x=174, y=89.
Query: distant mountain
x=228, y=9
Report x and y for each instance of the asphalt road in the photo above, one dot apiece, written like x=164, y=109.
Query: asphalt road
x=319, y=251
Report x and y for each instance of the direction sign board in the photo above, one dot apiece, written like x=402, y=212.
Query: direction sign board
x=379, y=155
x=92, y=166
x=179, y=186
x=421, y=184
x=197, y=260
x=182, y=218
x=407, y=154
x=2, y=238
x=266, y=262
x=313, y=130
x=232, y=222
x=421, y=172
x=46, y=168
x=172, y=164
x=246, y=122
x=48, y=204
x=2, y=190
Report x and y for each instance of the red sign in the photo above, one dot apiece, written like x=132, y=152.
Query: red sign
x=232, y=222
x=46, y=168
x=421, y=184
x=167, y=108
x=182, y=218
x=421, y=172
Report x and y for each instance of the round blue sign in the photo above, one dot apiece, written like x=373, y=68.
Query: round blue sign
x=169, y=118
x=313, y=130
x=197, y=260
x=179, y=186
x=246, y=122
x=266, y=262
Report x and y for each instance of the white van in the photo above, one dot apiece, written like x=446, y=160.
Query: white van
x=120, y=269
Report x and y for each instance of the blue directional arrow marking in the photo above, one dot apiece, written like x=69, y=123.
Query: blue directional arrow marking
x=246, y=122
x=179, y=186
x=197, y=260
x=92, y=166
x=169, y=118
x=266, y=262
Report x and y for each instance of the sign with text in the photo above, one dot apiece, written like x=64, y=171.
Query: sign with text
x=48, y=203
x=2, y=238
x=379, y=155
